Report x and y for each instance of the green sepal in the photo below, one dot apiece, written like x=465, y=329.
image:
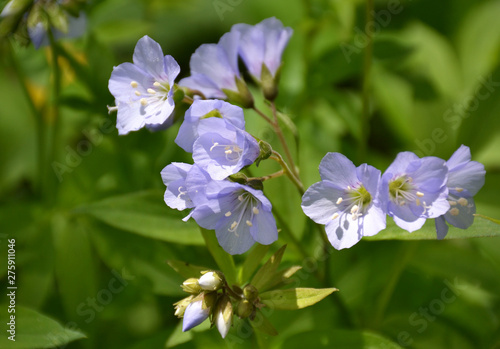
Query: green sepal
x=57, y=17
x=256, y=184
x=294, y=298
x=269, y=83
x=265, y=152
x=239, y=177
x=242, y=97
x=178, y=94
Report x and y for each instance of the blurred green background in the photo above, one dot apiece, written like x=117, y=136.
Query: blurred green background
x=86, y=206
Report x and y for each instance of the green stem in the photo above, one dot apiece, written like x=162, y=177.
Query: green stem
x=265, y=178
x=54, y=121
x=40, y=130
x=402, y=258
x=278, y=158
x=367, y=66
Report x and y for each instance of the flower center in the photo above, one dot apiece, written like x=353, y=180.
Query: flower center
x=157, y=92
x=247, y=209
x=356, y=201
x=403, y=191
x=232, y=152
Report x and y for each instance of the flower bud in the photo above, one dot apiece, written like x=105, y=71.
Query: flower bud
x=211, y=281
x=243, y=97
x=269, y=83
x=180, y=306
x=244, y=309
x=191, y=286
x=250, y=292
x=194, y=315
x=223, y=315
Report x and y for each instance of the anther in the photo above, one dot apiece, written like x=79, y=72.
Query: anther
x=454, y=211
x=144, y=102
x=463, y=201
x=150, y=90
x=339, y=201
x=137, y=93
x=240, y=197
x=213, y=146
x=249, y=223
x=255, y=210
x=452, y=203
x=349, y=187
x=459, y=189
x=134, y=84
x=335, y=216
x=234, y=225
x=419, y=194
x=228, y=152
x=354, y=209
x=228, y=213
x=156, y=84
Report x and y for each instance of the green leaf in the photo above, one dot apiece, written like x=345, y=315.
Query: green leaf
x=223, y=259
x=266, y=273
x=186, y=270
x=34, y=330
x=146, y=214
x=480, y=228
x=252, y=261
x=294, y=298
x=339, y=339
x=263, y=324
x=281, y=277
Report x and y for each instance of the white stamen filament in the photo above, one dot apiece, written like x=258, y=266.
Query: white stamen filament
x=112, y=109
x=213, y=146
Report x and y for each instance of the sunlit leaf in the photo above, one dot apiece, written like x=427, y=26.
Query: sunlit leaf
x=294, y=298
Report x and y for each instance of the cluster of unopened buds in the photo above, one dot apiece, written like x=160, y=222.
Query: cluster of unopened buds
x=211, y=297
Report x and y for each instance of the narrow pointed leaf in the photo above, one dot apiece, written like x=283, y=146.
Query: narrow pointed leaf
x=267, y=272
x=185, y=269
x=282, y=277
x=294, y=298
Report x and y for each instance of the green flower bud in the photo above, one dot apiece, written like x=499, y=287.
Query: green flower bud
x=244, y=309
x=269, y=83
x=250, y=292
x=265, y=152
x=243, y=97
x=180, y=306
x=191, y=286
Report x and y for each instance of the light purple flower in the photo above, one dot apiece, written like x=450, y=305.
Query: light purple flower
x=214, y=67
x=194, y=315
x=262, y=44
x=465, y=178
x=414, y=189
x=239, y=214
x=222, y=149
x=144, y=90
x=345, y=201
x=202, y=109
x=185, y=183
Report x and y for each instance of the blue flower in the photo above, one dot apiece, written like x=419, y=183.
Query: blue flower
x=214, y=67
x=222, y=149
x=184, y=183
x=414, y=189
x=144, y=90
x=194, y=315
x=465, y=178
x=262, y=44
x=239, y=214
x=345, y=201
x=202, y=109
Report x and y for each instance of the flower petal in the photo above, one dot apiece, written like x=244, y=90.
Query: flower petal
x=319, y=201
x=441, y=227
x=148, y=56
x=194, y=315
x=338, y=169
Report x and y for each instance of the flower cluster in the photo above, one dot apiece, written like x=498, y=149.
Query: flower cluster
x=213, y=130
x=42, y=18
x=353, y=202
